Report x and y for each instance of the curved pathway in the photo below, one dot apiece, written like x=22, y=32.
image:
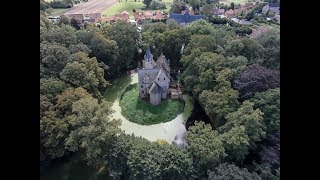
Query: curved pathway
x=166, y=131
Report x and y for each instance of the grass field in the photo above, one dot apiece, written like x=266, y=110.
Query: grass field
x=121, y=6
x=129, y=6
x=56, y=11
x=228, y=2
x=141, y=112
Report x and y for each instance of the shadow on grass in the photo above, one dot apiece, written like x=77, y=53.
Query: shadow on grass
x=117, y=88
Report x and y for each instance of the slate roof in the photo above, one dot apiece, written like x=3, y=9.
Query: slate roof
x=186, y=17
x=155, y=88
x=147, y=76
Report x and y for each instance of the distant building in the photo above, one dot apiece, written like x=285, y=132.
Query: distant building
x=81, y=18
x=153, y=15
x=124, y=16
x=272, y=7
x=185, y=18
x=154, y=78
x=229, y=14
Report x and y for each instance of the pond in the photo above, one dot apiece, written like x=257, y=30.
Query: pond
x=72, y=168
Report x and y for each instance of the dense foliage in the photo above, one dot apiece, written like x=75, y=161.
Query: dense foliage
x=234, y=78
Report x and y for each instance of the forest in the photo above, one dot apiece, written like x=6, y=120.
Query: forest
x=235, y=78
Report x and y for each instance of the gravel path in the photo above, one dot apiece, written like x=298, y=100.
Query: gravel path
x=166, y=131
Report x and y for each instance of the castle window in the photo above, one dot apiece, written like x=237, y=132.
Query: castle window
x=158, y=79
x=141, y=86
x=142, y=92
x=164, y=78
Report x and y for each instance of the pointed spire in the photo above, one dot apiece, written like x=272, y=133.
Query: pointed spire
x=148, y=55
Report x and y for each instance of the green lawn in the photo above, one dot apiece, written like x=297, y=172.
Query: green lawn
x=141, y=112
x=228, y=2
x=129, y=6
x=56, y=11
x=121, y=6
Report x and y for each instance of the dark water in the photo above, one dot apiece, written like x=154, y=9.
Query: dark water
x=72, y=168
x=198, y=114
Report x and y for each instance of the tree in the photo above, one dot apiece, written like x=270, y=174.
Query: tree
x=93, y=129
x=64, y=20
x=84, y=36
x=200, y=26
x=106, y=51
x=255, y=79
x=251, y=119
x=74, y=48
x=176, y=6
x=148, y=160
x=270, y=151
x=68, y=97
x=250, y=15
x=270, y=41
x=231, y=171
x=155, y=4
x=53, y=58
x=64, y=35
x=51, y=87
x=53, y=132
x=246, y=47
x=45, y=105
x=85, y=72
x=205, y=43
x=236, y=144
x=74, y=23
x=126, y=37
x=231, y=6
x=265, y=172
x=205, y=146
x=118, y=157
x=172, y=24
x=269, y=103
x=147, y=2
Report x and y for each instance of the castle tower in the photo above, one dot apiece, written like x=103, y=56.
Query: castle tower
x=148, y=58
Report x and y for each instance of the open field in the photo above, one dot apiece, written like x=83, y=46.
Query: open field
x=121, y=6
x=128, y=6
x=228, y=2
x=92, y=6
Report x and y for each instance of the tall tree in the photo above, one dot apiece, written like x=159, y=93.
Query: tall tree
x=159, y=161
x=106, y=51
x=53, y=58
x=205, y=146
x=269, y=103
x=256, y=79
x=251, y=119
x=93, y=129
x=51, y=87
x=236, y=143
x=85, y=72
x=126, y=36
x=270, y=41
x=231, y=171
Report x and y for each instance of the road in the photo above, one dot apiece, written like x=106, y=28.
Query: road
x=92, y=6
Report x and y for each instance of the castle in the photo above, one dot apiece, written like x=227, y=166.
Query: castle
x=154, y=78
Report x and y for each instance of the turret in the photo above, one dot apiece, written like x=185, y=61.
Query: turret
x=148, y=58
